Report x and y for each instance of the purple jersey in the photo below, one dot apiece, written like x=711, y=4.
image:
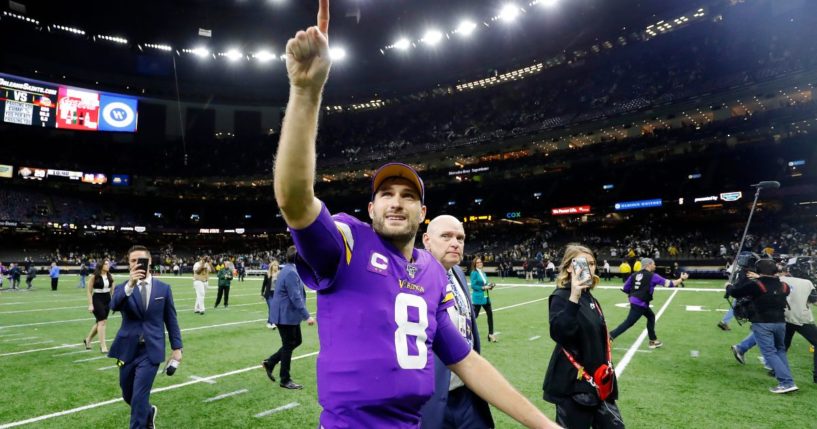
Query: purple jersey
x=656, y=280
x=380, y=317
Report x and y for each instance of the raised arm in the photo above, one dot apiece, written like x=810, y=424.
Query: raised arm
x=308, y=66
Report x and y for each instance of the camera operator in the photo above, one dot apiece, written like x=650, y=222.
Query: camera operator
x=768, y=295
x=798, y=314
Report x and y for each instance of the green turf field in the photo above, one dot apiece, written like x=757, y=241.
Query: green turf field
x=48, y=379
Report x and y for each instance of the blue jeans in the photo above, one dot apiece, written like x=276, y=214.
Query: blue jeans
x=770, y=339
x=728, y=316
x=81, y=282
x=747, y=343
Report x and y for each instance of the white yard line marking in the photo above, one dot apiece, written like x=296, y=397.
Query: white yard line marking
x=53, y=322
x=535, y=337
x=39, y=309
x=223, y=324
x=202, y=379
x=40, y=342
x=226, y=395
x=105, y=368
x=114, y=401
x=519, y=305
x=11, y=335
x=85, y=306
x=622, y=364
x=20, y=339
x=38, y=350
x=71, y=353
x=197, y=328
x=279, y=409
x=90, y=359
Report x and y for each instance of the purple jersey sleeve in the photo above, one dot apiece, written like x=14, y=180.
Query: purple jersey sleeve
x=320, y=249
x=659, y=281
x=628, y=285
x=449, y=345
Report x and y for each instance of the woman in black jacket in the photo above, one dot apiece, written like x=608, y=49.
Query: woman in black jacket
x=268, y=286
x=580, y=379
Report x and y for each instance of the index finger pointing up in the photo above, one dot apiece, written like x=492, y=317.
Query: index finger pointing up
x=323, y=17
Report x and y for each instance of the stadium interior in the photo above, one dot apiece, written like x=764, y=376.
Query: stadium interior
x=636, y=127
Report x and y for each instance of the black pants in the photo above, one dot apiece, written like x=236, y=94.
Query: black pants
x=28, y=281
x=290, y=340
x=54, y=281
x=571, y=415
x=809, y=332
x=635, y=313
x=223, y=291
x=490, y=314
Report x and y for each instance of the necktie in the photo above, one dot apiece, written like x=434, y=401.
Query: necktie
x=144, y=291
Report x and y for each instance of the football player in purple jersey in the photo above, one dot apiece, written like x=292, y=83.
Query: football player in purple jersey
x=381, y=303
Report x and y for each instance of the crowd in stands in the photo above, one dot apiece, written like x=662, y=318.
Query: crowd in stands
x=705, y=58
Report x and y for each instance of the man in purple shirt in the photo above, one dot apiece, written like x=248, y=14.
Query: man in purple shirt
x=640, y=287
x=381, y=303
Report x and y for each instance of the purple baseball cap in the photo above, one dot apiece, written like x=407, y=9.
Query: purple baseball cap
x=397, y=169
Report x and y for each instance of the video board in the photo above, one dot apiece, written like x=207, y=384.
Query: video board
x=42, y=104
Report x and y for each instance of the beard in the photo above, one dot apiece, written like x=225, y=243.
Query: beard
x=397, y=236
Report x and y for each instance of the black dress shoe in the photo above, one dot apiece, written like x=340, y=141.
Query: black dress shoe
x=291, y=385
x=152, y=417
x=268, y=368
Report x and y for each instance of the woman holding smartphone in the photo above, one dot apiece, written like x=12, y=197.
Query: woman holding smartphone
x=99, y=301
x=580, y=379
x=480, y=294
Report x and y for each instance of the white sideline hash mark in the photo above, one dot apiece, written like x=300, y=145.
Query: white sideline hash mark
x=534, y=338
x=90, y=359
x=226, y=395
x=202, y=379
x=105, y=368
x=696, y=308
x=275, y=410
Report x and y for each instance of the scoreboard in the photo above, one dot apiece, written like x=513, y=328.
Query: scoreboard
x=42, y=104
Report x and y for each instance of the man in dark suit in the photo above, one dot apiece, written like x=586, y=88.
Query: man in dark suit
x=453, y=405
x=287, y=311
x=146, y=305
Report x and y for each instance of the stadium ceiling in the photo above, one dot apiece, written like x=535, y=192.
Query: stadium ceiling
x=233, y=47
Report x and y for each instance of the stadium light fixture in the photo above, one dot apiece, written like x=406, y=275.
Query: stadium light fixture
x=466, y=27
x=547, y=3
x=200, y=52
x=337, y=54
x=432, y=37
x=509, y=12
x=263, y=56
x=160, y=47
x=402, y=44
x=233, y=55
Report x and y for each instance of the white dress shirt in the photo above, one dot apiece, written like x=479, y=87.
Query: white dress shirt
x=146, y=284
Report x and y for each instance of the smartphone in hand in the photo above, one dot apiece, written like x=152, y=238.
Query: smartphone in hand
x=581, y=266
x=142, y=264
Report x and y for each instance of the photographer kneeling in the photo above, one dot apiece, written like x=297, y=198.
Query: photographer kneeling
x=768, y=302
